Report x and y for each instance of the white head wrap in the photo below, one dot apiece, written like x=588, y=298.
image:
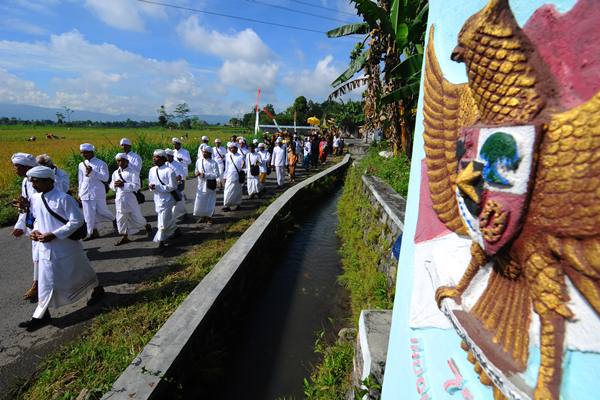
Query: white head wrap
x=121, y=156
x=160, y=153
x=176, y=140
x=255, y=141
x=232, y=144
x=261, y=144
x=125, y=141
x=204, y=138
x=23, y=159
x=170, y=152
x=278, y=140
x=208, y=149
x=217, y=140
x=41, y=173
x=86, y=147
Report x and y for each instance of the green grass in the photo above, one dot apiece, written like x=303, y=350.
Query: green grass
x=96, y=359
x=363, y=248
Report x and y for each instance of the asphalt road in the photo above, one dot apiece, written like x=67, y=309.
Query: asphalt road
x=120, y=270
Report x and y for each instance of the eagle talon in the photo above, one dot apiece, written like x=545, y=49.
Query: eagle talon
x=444, y=292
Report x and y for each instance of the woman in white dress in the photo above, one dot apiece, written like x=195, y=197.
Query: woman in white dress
x=207, y=171
x=252, y=172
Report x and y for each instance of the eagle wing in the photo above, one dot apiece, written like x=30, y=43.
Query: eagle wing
x=447, y=108
x=566, y=197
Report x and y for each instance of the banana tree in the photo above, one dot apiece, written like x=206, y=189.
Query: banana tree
x=395, y=31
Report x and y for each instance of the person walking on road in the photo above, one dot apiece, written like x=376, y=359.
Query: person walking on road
x=252, y=171
x=278, y=162
x=207, y=172
x=204, y=142
x=292, y=160
x=162, y=181
x=265, y=165
x=218, y=155
x=65, y=273
x=61, y=178
x=234, y=177
x=125, y=182
x=92, y=176
x=181, y=154
x=135, y=160
x=179, y=210
x=22, y=163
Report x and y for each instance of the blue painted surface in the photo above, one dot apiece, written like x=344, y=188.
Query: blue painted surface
x=438, y=345
x=397, y=247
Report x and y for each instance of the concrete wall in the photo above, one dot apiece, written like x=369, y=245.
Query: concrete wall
x=184, y=358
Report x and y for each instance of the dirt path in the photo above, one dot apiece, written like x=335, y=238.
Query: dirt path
x=120, y=270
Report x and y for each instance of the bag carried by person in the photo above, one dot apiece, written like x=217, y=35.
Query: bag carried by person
x=139, y=196
x=210, y=183
x=176, y=195
x=79, y=234
x=254, y=168
x=241, y=173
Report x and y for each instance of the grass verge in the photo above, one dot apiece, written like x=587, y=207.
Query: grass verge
x=363, y=248
x=94, y=361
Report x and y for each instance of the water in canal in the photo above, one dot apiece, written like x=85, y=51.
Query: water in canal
x=300, y=299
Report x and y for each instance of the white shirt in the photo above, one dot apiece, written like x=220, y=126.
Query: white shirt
x=265, y=159
x=183, y=156
x=178, y=168
x=210, y=170
x=162, y=191
x=61, y=180
x=65, y=206
x=124, y=198
x=27, y=191
x=135, y=162
x=92, y=187
x=233, y=161
x=251, y=159
x=279, y=157
x=219, y=154
x=201, y=149
x=307, y=148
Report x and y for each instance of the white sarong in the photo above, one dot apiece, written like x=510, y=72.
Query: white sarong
x=233, y=193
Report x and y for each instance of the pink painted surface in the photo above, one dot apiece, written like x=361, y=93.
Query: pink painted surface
x=570, y=44
x=429, y=225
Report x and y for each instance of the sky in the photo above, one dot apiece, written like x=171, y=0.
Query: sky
x=129, y=57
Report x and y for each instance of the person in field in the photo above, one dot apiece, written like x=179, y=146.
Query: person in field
x=125, y=182
x=179, y=210
x=279, y=161
x=61, y=178
x=207, y=172
x=181, y=154
x=234, y=164
x=292, y=161
x=135, y=161
x=23, y=162
x=92, y=176
x=252, y=172
x=265, y=162
x=163, y=182
x=219, y=154
x=65, y=273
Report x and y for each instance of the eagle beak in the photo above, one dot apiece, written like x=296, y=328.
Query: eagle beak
x=466, y=181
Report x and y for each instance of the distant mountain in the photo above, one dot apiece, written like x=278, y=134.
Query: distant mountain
x=23, y=111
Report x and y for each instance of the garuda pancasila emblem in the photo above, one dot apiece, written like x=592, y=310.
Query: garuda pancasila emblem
x=520, y=174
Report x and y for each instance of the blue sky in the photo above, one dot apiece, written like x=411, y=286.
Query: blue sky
x=129, y=57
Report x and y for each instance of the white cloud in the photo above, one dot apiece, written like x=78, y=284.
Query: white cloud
x=17, y=24
x=315, y=83
x=124, y=14
x=244, y=45
x=103, y=78
x=248, y=76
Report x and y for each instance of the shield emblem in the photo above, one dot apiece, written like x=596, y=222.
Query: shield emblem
x=495, y=170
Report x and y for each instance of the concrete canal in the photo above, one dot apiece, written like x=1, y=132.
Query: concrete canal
x=300, y=298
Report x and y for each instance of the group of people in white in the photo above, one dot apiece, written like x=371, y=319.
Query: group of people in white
x=55, y=222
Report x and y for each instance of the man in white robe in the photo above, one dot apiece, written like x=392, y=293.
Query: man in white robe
x=162, y=181
x=279, y=161
x=181, y=154
x=242, y=147
x=61, y=178
x=204, y=142
x=65, y=273
x=179, y=210
x=234, y=163
x=92, y=174
x=206, y=197
x=265, y=162
x=219, y=154
x=135, y=160
x=22, y=163
x=252, y=172
x=125, y=182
